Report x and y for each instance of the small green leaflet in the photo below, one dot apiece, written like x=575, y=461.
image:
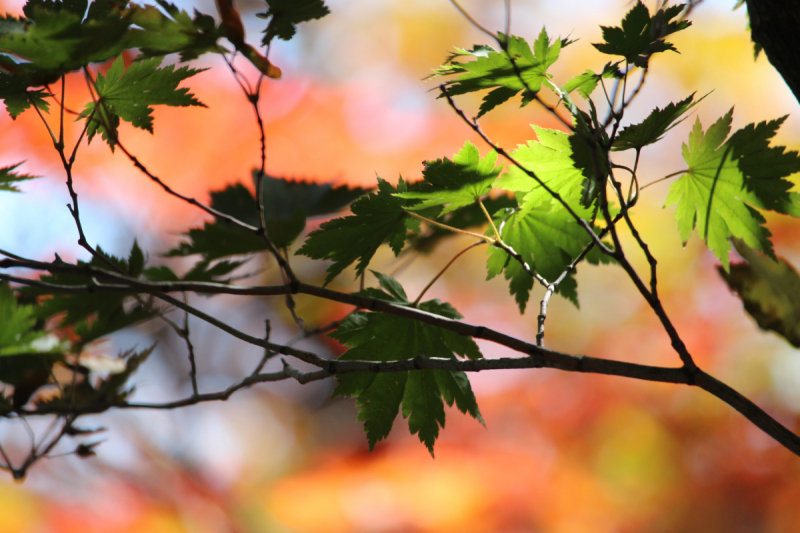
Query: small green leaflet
x=382, y=337
x=641, y=35
x=728, y=180
x=521, y=69
x=9, y=178
x=157, y=34
x=377, y=217
x=456, y=183
x=653, y=128
x=130, y=94
x=769, y=289
x=285, y=15
x=587, y=82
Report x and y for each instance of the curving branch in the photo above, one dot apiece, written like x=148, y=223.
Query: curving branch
x=537, y=356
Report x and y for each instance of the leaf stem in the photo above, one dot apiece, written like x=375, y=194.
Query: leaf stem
x=442, y=271
x=450, y=228
x=472, y=20
x=489, y=218
x=668, y=176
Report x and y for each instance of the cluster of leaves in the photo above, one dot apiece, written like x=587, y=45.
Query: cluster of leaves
x=536, y=211
x=29, y=352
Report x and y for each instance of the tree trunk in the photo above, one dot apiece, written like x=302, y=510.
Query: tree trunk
x=775, y=26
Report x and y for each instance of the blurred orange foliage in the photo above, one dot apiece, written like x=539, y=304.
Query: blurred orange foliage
x=562, y=453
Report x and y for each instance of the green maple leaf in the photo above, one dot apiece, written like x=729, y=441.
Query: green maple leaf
x=641, y=35
x=287, y=205
x=769, y=289
x=285, y=15
x=159, y=34
x=377, y=217
x=728, y=181
x=653, y=128
x=551, y=160
x=521, y=69
x=457, y=183
x=27, y=351
x=584, y=83
x=62, y=37
x=547, y=238
x=9, y=178
x=16, y=89
x=130, y=94
x=420, y=393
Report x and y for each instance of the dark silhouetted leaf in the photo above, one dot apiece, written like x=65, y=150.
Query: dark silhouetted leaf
x=653, y=128
x=285, y=15
x=381, y=337
x=642, y=35
x=377, y=217
x=9, y=178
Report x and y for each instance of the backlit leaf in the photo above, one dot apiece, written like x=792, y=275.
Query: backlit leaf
x=522, y=69
x=457, y=182
x=769, y=289
x=130, y=95
x=728, y=181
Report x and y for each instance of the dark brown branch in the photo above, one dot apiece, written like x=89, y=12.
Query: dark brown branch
x=537, y=356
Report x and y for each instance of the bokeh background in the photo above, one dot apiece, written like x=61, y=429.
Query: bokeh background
x=562, y=453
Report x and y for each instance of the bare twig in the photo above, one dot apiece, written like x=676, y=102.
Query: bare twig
x=443, y=270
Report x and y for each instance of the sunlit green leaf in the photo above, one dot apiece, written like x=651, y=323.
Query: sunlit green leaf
x=456, y=183
x=728, y=181
x=521, y=69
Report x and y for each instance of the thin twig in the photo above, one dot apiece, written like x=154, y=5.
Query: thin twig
x=450, y=228
x=443, y=270
x=472, y=20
